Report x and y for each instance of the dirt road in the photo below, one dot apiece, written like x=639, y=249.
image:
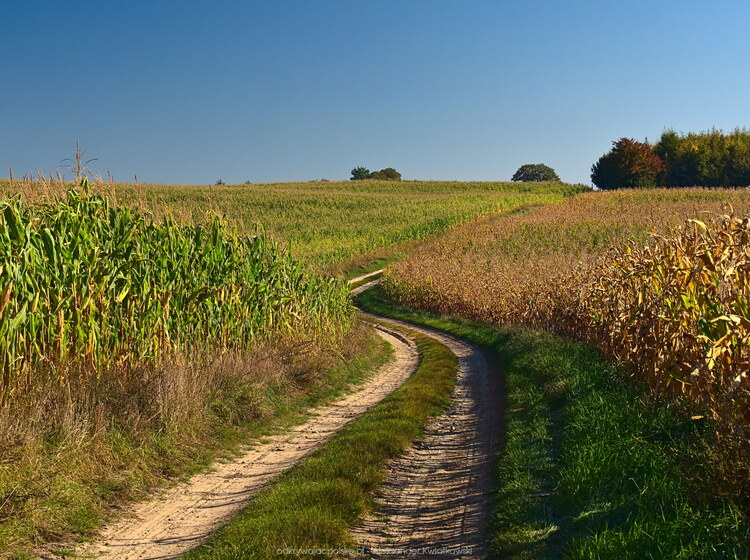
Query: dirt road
x=434, y=503
x=185, y=515
x=435, y=496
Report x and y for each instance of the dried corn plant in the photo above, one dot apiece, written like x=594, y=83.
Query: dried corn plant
x=677, y=309
x=673, y=305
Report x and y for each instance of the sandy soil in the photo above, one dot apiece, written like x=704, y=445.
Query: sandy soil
x=435, y=499
x=186, y=514
x=360, y=278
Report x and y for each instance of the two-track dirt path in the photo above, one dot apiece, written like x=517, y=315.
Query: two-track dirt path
x=434, y=502
x=435, y=495
x=185, y=515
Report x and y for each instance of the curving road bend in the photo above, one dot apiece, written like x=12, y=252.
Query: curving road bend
x=433, y=504
x=185, y=515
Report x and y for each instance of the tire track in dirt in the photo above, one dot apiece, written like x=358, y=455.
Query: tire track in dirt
x=435, y=500
x=185, y=515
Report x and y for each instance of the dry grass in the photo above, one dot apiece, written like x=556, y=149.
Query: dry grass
x=66, y=457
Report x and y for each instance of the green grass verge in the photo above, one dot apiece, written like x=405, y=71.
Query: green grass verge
x=592, y=466
x=314, y=504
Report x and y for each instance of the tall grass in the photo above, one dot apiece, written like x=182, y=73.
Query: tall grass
x=87, y=284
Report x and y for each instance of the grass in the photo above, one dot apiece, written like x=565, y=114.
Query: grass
x=367, y=280
x=592, y=466
x=313, y=505
x=371, y=266
x=55, y=483
x=330, y=225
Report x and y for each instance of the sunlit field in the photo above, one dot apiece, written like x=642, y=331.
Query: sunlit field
x=327, y=223
x=147, y=327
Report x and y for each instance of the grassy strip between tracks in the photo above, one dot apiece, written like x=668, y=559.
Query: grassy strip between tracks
x=592, y=466
x=313, y=505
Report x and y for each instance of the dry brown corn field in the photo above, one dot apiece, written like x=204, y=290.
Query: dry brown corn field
x=659, y=279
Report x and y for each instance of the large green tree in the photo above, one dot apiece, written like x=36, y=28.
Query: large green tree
x=535, y=172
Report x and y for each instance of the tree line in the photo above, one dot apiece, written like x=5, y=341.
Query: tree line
x=707, y=159
x=387, y=174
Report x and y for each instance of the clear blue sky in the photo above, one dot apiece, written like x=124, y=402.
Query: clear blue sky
x=191, y=91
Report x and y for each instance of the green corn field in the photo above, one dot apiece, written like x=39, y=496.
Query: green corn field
x=324, y=224
x=85, y=285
